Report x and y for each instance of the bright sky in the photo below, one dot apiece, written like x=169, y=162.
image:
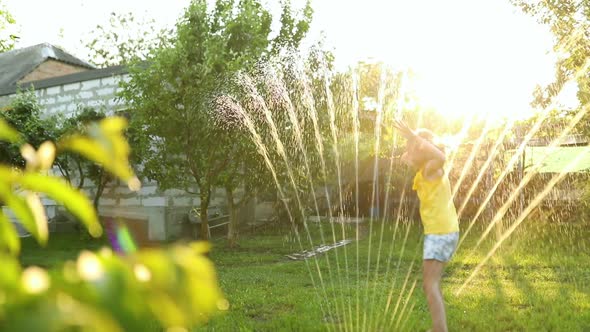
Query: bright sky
x=480, y=56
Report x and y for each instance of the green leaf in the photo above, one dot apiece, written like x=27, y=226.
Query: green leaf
x=10, y=272
x=57, y=189
x=8, y=133
x=105, y=145
x=38, y=211
x=8, y=236
x=21, y=210
x=86, y=147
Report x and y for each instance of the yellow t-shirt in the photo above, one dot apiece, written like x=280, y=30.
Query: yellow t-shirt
x=436, y=205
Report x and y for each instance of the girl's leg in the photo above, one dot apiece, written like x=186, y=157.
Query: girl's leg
x=432, y=274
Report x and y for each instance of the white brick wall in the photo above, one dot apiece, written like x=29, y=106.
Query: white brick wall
x=53, y=90
x=113, y=80
x=105, y=91
x=122, y=190
x=72, y=86
x=107, y=201
x=85, y=95
x=58, y=109
x=65, y=99
x=133, y=201
x=154, y=201
x=182, y=201
x=87, y=85
x=48, y=101
x=174, y=192
x=148, y=190
x=95, y=103
x=125, y=78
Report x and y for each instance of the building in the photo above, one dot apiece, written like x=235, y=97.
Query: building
x=63, y=83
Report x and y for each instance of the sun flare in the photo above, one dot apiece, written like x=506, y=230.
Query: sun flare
x=460, y=98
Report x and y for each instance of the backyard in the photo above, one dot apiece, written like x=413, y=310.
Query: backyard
x=223, y=165
x=538, y=281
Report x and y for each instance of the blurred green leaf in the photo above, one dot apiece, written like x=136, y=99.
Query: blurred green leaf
x=8, y=236
x=105, y=144
x=7, y=133
x=21, y=210
x=87, y=147
x=113, y=126
x=10, y=272
x=59, y=312
x=167, y=310
x=38, y=211
x=162, y=269
x=57, y=189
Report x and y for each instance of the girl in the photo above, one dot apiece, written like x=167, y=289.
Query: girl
x=438, y=214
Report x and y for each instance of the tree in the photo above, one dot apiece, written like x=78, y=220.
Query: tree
x=248, y=169
x=569, y=21
x=123, y=39
x=73, y=167
x=181, y=143
x=24, y=112
x=291, y=112
x=243, y=170
x=7, y=34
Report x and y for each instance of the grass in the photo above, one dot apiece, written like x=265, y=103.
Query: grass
x=539, y=280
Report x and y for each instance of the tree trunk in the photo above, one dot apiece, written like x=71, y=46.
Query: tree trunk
x=82, y=176
x=204, y=215
x=232, y=232
x=102, y=181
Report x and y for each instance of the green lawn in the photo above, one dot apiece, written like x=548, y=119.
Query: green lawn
x=539, y=280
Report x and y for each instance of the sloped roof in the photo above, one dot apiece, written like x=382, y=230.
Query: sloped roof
x=558, y=159
x=15, y=64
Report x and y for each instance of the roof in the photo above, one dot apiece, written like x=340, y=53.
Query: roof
x=558, y=159
x=15, y=64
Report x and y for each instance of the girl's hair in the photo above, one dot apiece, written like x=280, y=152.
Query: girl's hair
x=430, y=137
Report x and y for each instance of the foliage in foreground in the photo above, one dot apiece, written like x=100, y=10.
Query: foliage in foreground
x=102, y=291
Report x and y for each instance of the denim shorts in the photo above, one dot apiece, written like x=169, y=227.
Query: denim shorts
x=440, y=246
